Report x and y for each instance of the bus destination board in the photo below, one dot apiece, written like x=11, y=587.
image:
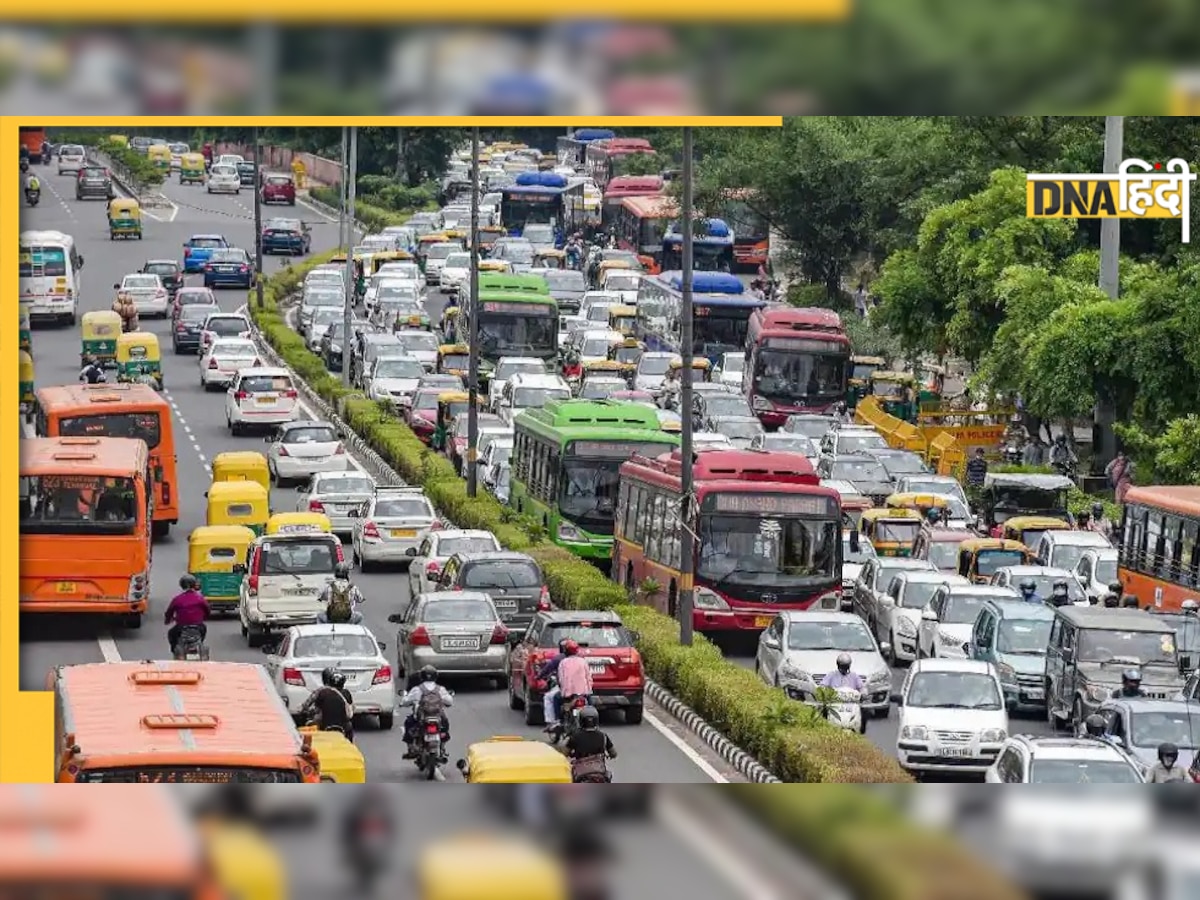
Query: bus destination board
x=807, y=345
x=770, y=504
x=524, y=309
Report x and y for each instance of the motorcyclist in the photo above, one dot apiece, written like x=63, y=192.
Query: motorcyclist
x=24, y=165
x=186, y=608
x=427, y=699
x=1094, y=726
x=1165, y=770
x=842, y=677
x=1100, y=523
x=33, y=187
x=1062, y=457
x=92, y=372
x=1029, y=591
x=1112, y=600
x=1190, y=607
x=341, y=599
x=550, y=699
x=1131, y=686
x=1060, y=594
x=369, y=833
x=330, y=707
x=589, y=744
x=574, y=677
x=841, y=413
x=1129, y=601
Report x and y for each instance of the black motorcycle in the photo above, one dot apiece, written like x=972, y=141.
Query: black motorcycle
x=568, y=724
x=431, y=748
x=32, y=196
x=191, y=646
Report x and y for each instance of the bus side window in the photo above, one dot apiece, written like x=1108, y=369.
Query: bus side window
x=1135, y=532
x=654, y=541
x=1173, y=561
x=1189, y=555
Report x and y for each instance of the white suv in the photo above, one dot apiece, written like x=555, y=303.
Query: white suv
x=284, y=579
x=71, y=158
x=259, y=397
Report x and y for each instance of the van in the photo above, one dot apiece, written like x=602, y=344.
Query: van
x=1012, y=635
x=1064, y=549
x=285, y=577
x=1090, y=646
x=49, y=278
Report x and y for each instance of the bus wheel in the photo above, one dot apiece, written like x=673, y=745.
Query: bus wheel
x=133, y=621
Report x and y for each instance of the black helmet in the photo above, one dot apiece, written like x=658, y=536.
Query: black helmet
x=843, y=663
x=429, y=673
x=1116, y=587
x=1129, y=601
x=1131, y=676
x=1190, y=607
x=328, y=675
x=1168, y=753
x=1060, y=588
x=337, y=680
x=1028, y=586
x=1094, y=725
x=189, y=582
x=1111, y=600
x=341, y=570
x=1098, y=510
x=589, y=718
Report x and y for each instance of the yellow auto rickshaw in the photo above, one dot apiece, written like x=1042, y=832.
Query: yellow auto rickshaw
x=244, y=863
x=495, y=266
x=451, y=405
x=139, y=360
x=891, y=531
x=979, y=559
x=242, y=465
x=622, y=319
x=488, y=235
x=217, y=558
x=701, y=369
x=861, y=370
x=897, y=392
x=100, y=330
x=1028, y=530
x=514, y=760
x=627, y=353
x=454, y=359
x=124, y=219
x=341, y=762
x=25, y=380
x=191, y=169
x=299, y=523
x=605, y=368
x=26, y=333
x=243, y=503
x=160, y=156
x=919, y=503
x=425, y=241
x=489, y=867
x=383, y=257
x=610, y=265
x=550, y=259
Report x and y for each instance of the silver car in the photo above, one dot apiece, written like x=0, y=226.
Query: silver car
x=457, y=632
x=390, y=523
x=336, y=494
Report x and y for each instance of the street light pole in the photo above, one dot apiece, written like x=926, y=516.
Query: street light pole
x=258, y=248
x=348, y=195
x=686, y=512
x=473, y=319
x=1104, y=439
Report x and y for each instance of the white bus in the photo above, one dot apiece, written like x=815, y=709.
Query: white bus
x=49, y=275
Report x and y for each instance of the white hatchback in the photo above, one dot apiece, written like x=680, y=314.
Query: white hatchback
x=952, y=717
x=147, y=292
x=224, y=358
x=456, y=272
x=394, y=521
x=224, y=180
x=948, y=619
x=260, y=396
x=439, y=546
x=71, y=158
x=223, y=325
x=301, y=449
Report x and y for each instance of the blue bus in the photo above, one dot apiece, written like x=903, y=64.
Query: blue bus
x=542, y=198
x=721, y=312
x=712, y=246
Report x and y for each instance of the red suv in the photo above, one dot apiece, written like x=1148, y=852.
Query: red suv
x=278, y=188
x=618, y=679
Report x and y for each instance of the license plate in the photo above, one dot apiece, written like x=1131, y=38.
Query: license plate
x=403, y=533
x=762, y=622
x=460, y=643
x=297, y=592
x=955, y=752
x=598, y=668
x=228, y=269
x=433, y=738
x=505, y=604
x=264, y=401
x=65, y=587
x=1033, y=694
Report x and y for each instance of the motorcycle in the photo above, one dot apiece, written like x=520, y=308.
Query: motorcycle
x=1065, y=467
x=1013, y=455
x=369, y=850
x=842, y=711
x=591, y=770
x=431, y=754
x=191, y=646
x=32, y=196
x=569, y=721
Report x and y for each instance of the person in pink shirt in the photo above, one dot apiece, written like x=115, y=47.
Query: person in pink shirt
x=574, y=675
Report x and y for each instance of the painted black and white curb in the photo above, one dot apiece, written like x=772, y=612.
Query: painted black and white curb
x=746, y=764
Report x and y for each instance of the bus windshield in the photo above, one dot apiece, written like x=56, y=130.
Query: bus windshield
x=786, y=375
x=717, y=330
x=77, y=504
x=520, y=213
x=768, y=552
x=144, y=426
x=588, y=495
x=501, y=335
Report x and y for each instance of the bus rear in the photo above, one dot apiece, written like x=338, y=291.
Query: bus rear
x=542, y=198
x=712, y=246
x=751, y=230
x=48, y=276
x=641, y=223
x=795, y=372
x=608, y=159
x=572, y=147
x=620, y=189
x=84, y=521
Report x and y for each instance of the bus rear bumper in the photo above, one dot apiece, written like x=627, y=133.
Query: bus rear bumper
x=99, y=606
x=738, y=620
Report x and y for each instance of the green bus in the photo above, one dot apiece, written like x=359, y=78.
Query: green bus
x=566, y=464
x=521, y=284
x=515, y=323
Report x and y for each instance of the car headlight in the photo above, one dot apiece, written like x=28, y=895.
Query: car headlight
x=914, y=733
x=568, y=532
x=793, y=672
x=703, y=598
x=1006, y=672
x=993, y=736
x=905, y=626
x=880, y=677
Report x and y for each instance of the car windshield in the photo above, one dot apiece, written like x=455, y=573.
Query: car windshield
x=933, y=486
x=954, y=690
x=739, y=429
x=426, y=400
x=225, y=171
x=1082, y=771
x=193, y=314
x=521, y=254
x=988, y=561
x=961, y=609
x=141, y=281
x=654, y=365
x=304, y=556
x=595, y=347
x=310, y=434
x=404, y=272
x=726, y=404
x=464, y=610
x=323, y=298
x=447, y=547
x=586, y=634
x=598, y=312
x=1126, y=647
x=944, y=554
x=789, y=443
x=858, y=470
x=901, y=463
x=814, y=429
x=599, y=388
x=884, y=573
x=502, y=454
x=621, y=281
x=1024, y=637
x=766, y=551
x=418, y=343
x=458, y=261
x=865, y=551
x=163, y=268
x=278, y=180
x=403, y=508
x=1179, y=727
x=441, y=251
x=860, y=442
x=847, y=636
x=1067, y=556
x=535, y=234
x=70, y=150
x=918, y=593
x=564, y=280
x=335, y=645
x=395, y=293
x=227, y=326
x=344, y=484
x=507, y=369
x=538, y=397
x=1045, y=584
x=399, y=368
x=506, y=573
x=238, y=350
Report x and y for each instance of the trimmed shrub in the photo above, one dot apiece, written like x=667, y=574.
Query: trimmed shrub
x=127, y=164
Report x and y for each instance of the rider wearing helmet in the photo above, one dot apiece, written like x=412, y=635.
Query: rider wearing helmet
x=842, y=677
x=1029, y=591
x=186, y=608
x=1112, y=600
x=1094, y=726
x=341, y=599
x=1165, y=770
x=589, y=742
x=330, y=707
x=1060, y=594
x=428, y=698
x=1129, y=601
x=574, y=676
x=551, y=698
x=92, y=372
x=1190, y=607
x=933, y=516
x=1131, y=685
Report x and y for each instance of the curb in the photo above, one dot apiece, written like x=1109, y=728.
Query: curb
x=745, y=764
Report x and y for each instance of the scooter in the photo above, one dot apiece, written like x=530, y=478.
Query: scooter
x=191, y=646
x=843, y=712
x=32, y=196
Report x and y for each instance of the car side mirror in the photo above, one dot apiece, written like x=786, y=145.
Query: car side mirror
x=116, y=287
x=411, y=551
x=353, y=514
x=929, y=616
x=635, y=636
x=396, y=618
x=239, y=569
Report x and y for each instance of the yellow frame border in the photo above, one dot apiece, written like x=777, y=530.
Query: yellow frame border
x=27, y=718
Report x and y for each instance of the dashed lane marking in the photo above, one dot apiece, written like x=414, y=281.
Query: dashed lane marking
x=59, y=197
x=187, y=430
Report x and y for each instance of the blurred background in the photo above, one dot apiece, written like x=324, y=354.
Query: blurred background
x=889, y=56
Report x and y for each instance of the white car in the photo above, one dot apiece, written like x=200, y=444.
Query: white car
x=224, y=180
x=223, y=325
x=799, y=648
x=71, y=158
x=1029, y=759
x=498, y=452
x=147, y=292
x=523, y=391
x=336, y=495
x=439, y=546
x=456, y=273
x=177, y=151
x=506, y=368
x=623, y=284
x=392, y=522
x=782, y=442
x=947, y=620
x=1096, y=570
x=435, y=257
x=711, y=440
x=601, y=387
x=286, y=576
x=419, y=344
x=952, y=717
x=898, y=621
x=393, y=378
x=260, y=396
x=377, y=283
x=331, y=275
x=304, y=651
x=322, y=318
x=224, y=358
x=652, y=369
x=299, y=450
x=729, y=370
x=855, y=555
x=593, y=299
x=931, y=484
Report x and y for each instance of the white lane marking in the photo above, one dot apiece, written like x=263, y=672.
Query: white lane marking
x=61, y=201
x=683, y=747
x=719, y=855
x=108, y=649
x=187, y=430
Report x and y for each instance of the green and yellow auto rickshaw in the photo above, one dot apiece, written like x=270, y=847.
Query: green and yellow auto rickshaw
x=26, y=338
x=139, y=359
x=100, y=330
x=25, y=380
x=191, y=169
x=861, y=370
x=217, y=557
x=897, y=393
x=124, y=219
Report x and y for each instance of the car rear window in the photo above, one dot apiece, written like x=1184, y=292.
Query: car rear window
x=236, y=351
x=163, y=268
x=305, y=556
x=193, y=314
x=402, y=507
x=227, y=326
x=348, y=484
x=507, y=573
x=257, y=384
x=206, y=242
x=313, y=434
x=232, y=256
x=587, y=634
x=449, y=546
x=283, y=180
x=334, y=645
x=459, y=611
x=141, y=281
x=187, y=297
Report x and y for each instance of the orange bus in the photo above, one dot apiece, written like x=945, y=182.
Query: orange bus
x=84, y=516
x=175, y=723
x=1159, y=552
x=135, y=843
x=119, y=410
x=642, y=223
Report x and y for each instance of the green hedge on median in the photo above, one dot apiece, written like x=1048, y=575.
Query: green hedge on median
x=787, y=736
x=130, y=166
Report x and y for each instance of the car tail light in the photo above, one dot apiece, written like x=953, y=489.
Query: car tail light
x=245, y=268
x=291, y=395
x=382, y=675
x=499, y=635
x=371, y=530
x=419, y=637
x=240, y=396
x=180, y=328
x=293, y=677
x=208, y=267
x=187, y=251
x=432, y=568
x=283, y=451
x=212, y=364
x=340, y=451
x=544, y=599
x=316, y=506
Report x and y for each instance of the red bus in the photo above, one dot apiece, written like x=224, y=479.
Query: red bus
x=799, y=361
x=751, y=230
x=606, y=159
x=768, y=536
x=642, y=222
x=628, y=186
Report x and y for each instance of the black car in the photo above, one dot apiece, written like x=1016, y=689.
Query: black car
x=94, y=183
x=567, y=286
x=246, y=173
x=286, y=236
x=514, y=581
x=332, y=342
x=169, y=271
x=188, y=327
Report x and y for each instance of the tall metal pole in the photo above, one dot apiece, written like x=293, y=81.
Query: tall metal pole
x=687, y=567
x=473, y=319
x=258, y=249
x=348, y=195
x=1104, y=439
